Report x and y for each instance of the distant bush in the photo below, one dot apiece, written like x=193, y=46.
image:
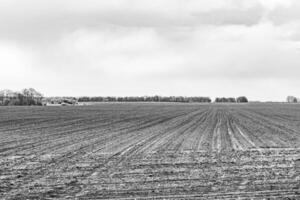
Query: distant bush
x=242, y=99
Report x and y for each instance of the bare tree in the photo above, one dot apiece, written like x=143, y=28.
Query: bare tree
x=291, y=99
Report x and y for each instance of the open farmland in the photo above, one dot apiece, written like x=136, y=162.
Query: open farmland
x=145, y=150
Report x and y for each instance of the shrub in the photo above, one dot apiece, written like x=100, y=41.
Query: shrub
x=242, y=99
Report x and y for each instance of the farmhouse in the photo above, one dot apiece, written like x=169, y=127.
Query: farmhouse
x=60, y=101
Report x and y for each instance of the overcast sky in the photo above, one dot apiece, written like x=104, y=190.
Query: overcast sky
x=147, y=47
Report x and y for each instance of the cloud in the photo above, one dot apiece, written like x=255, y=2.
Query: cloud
x=237, y=53
x=36, y=21
x=285, y=14
x=247, y=17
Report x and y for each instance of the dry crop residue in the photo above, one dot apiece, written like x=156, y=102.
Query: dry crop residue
x=146, y=151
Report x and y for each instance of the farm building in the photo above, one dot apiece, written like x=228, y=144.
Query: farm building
x=60, y=101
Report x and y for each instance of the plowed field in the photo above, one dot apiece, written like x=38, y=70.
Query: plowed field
x=145, y=151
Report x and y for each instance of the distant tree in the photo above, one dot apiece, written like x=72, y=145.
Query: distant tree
x=111, y=99
x=31, y=97
x=242, y=99
x=231, y=100
x=84, y=99
x=26, y=97
x=291, y=99
x=221, y=100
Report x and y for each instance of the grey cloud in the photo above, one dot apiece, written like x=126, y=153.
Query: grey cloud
x=247, y=17
x=284, y=15
x=49, y=21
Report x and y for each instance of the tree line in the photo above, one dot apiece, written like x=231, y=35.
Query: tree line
x=155, y=98
x=32, y=97
x=241, y=99
x=26, y=97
